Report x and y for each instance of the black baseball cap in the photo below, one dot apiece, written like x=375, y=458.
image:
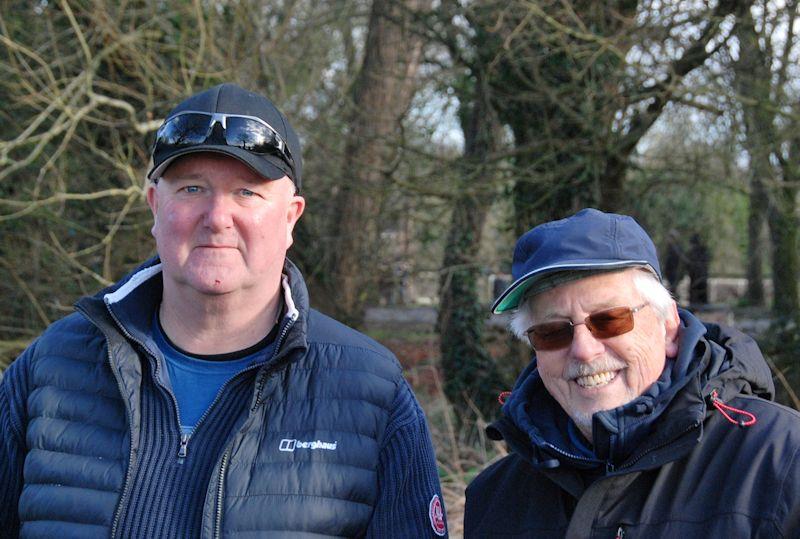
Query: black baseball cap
x=230, y=99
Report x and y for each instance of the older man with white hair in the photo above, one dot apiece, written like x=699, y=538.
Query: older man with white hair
x=634, y=418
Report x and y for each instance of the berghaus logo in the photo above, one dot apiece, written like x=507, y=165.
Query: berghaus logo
x=291, y=444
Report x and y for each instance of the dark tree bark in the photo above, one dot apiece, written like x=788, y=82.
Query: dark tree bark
x=754, y=83
x=381, y=96
x=756, y=219
x=470, y=372
x=773, y=193
x=699, y=261
x=783, y=227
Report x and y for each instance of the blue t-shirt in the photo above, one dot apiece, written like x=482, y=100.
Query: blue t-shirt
x=196, y=382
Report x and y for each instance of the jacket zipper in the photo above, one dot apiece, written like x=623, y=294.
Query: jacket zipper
x=118, y=376
x=220, y=488
x=129, y=472
x=278, y=343
x=571, y=456
x=225, y=456
x=639, y=457
x=183, y=446
x=183, y=449
x=620, y=533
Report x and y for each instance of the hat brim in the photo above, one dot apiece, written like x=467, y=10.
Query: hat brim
x=511, y=296
x=267, y=166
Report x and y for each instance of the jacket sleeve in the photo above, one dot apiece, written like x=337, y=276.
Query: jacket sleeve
x=409, y=501
x=13, y=391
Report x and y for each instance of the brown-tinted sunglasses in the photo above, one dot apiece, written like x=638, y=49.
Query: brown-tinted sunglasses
x=602, y=324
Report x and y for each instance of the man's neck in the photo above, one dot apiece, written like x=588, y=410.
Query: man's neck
x=203, y=324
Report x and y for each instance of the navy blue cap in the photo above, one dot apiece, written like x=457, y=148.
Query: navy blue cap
x=232, y=99
x=590, y=240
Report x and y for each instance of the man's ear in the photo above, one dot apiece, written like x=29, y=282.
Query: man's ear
x=152, y=201
x=671, y=334
x=293, y=212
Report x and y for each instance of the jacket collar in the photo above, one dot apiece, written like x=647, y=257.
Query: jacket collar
x=128, y=305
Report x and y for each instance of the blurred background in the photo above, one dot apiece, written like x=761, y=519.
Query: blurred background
x=434, y=133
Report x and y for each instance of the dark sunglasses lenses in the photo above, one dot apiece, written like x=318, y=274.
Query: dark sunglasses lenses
x=602, y=324
x=185, y=130
x=251, y=136
x=550, y=336
x=190, y=129
x=610, y=323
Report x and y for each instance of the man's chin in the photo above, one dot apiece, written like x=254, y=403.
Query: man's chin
x=211, y=285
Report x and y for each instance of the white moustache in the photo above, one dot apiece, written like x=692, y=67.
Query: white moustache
x=578, y=369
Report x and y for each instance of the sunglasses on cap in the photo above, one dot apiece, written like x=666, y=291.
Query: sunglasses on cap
x=602, y=325
x=191, y=128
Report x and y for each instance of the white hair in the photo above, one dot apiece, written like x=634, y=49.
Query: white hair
x=645, y=282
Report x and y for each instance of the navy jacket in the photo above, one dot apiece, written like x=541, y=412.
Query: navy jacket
x=668, y=464
x=320, y=450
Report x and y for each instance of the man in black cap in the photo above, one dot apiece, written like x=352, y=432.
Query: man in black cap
x=201, y=396
x=634, y=419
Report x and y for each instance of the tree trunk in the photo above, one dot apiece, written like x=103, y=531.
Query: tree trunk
x=754, y=84
x=783, y=231
x=756, y=219
x=381, y=96
x=754, y=80
x=783, y=226
x=470, y=373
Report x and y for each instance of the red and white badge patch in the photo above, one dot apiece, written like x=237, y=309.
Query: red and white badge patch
x=436, y=515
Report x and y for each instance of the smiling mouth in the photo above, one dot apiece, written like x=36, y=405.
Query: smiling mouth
x=596, y=380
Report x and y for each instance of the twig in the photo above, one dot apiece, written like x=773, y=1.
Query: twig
x=27, y=291
x=784, y=382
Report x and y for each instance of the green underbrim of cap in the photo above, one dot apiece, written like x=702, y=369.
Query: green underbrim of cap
x=511, y=301
x=514, y=296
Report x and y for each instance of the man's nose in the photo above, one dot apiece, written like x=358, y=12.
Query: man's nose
x=218, y=214
x=585, y=346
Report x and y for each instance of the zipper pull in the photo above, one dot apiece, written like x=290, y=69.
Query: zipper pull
x=183, y=450
x=620, y=533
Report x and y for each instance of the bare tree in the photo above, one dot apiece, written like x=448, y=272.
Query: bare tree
x=585, y=82
x=380, y=97
x=770, y=116
x=472, y=376
x=84, y=86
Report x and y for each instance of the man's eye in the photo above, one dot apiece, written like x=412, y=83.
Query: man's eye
x=192, y=189
x=248, y=193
